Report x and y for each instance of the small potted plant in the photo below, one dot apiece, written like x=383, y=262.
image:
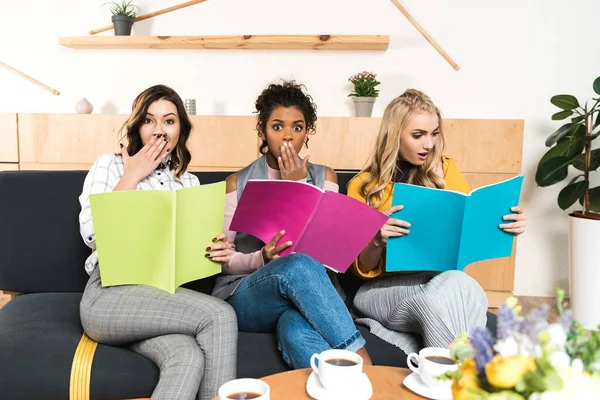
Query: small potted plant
x=123, y=13
x=571, y=146
x=364, y=93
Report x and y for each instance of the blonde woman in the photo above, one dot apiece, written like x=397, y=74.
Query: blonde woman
x=412, y=310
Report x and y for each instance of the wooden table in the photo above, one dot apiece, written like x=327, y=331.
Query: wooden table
x=386, y=382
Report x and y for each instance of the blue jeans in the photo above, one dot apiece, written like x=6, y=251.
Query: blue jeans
x=294, y=296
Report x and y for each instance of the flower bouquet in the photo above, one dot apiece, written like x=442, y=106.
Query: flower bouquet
x=530, y=359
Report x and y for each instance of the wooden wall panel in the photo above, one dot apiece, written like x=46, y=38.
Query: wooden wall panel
x=67, y=138
x=71, y=141
x=9, y=148
x=9, y=167
x=223, y=142
x=342, y=143
x=485, y=145
x=229, y=142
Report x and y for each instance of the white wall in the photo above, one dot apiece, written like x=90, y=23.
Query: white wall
x=514, y=55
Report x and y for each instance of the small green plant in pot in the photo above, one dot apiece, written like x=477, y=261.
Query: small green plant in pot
x=123, y=14
x=364, y=93
x=571, y=146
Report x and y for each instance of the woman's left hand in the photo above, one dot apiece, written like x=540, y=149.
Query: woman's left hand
x=220, y=251
x=517, y=227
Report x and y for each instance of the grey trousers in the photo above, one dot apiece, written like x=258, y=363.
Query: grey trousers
x=190, y=336
x=421, y=309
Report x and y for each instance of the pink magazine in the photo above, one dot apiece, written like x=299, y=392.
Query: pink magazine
x=330, y=227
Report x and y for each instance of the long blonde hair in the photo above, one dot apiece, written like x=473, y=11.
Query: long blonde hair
x=382, y=164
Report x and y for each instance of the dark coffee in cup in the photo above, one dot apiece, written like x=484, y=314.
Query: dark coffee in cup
x=243, y=396
x=441, y=360
x=341, y=362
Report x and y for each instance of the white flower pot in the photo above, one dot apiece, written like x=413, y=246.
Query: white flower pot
x=584, y=270
x=363, y=106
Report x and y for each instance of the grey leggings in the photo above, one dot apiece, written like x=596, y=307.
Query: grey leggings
x=190, y=336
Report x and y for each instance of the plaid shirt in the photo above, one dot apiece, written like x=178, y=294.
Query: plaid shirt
x=103, y=177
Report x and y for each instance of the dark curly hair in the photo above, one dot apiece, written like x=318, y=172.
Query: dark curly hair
x=286, y=94
x=180, y=156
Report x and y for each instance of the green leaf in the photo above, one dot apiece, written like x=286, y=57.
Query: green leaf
x=565, y=101
x=595, y=199
x=577, y=119
x=579, y=161
x=597, y=120
x=571, y=193
x=597, y=85
x=590, y=137
x=575, y=179
x=552, y=171
x=562, y=115
x=565, y=148
x=560, y=133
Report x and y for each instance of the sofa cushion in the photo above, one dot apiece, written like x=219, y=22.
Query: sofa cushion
x=40, y=244
x=38, y=337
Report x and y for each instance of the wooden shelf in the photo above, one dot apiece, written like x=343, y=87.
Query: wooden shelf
x=241, y=42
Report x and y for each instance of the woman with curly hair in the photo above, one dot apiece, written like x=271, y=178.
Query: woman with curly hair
x=290, y=295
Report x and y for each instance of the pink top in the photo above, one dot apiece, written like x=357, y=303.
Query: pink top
x=241, y=263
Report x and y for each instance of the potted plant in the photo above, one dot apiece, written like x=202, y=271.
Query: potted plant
x=364, y=94
x=571, y=147
x=123, y=13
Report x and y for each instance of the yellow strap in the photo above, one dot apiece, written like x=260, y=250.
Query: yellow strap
x=81, y=370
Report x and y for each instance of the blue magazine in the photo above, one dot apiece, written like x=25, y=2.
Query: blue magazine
x=450, y=230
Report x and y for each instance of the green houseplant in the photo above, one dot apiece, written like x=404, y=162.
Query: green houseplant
x=364, y=93
x=123, y=14
x=571, y=147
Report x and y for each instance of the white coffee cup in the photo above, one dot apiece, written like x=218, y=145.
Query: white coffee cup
x=428, y=368
x=257, y=389
x=337, y=368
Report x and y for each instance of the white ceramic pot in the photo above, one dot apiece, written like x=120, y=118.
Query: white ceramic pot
x=584, y=270
x=363, y=106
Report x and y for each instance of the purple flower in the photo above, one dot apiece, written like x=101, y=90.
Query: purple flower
x=482, y=341
x=566, y=319
x=534, y=323
x=507, y=321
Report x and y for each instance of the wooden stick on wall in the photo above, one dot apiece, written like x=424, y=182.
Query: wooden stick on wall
x=425, y=34
x=152, y=14
x=30, y=79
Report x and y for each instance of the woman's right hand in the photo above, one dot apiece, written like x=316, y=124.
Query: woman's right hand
x=140, y=165
x=393, y=227
x=271, y=251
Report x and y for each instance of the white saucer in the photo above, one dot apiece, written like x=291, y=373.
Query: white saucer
x=361, y=391
x=414, y=383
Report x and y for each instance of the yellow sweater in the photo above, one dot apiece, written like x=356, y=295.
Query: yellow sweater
x=454, y=181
